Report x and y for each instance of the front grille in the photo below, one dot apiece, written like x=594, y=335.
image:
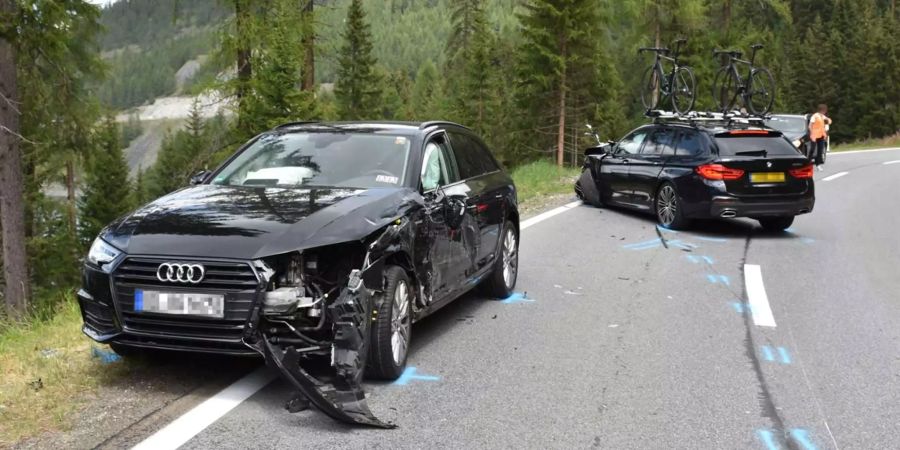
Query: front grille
x=236, y=280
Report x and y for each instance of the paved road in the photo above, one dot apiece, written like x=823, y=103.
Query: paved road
x=622, y=342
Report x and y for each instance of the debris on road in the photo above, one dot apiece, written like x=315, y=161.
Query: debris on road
x=105, y=356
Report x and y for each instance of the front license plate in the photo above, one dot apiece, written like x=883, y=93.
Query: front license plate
x=767, y=177
x=180, y=303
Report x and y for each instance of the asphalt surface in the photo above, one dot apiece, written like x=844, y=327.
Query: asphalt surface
x=622, y=342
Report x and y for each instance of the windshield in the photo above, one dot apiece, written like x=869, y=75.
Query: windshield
x=784, y=124
x=751, y=145
x=320, y=159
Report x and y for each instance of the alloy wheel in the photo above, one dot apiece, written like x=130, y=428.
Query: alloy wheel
x=667, y=205
x=400, y=323
x=510, y=258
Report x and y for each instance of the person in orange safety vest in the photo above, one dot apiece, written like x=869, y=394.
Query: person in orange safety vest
x=818, y=134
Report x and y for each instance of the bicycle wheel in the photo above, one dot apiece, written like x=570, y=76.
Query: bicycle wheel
x=761, y=92
x=725, y=89
x=650, y=88
x=684, y=92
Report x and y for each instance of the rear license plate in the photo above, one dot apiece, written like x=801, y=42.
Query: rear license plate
x=767, y=177
x=180, y=303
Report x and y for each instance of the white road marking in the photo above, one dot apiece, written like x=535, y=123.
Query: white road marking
x=756, y=296
x=851, y=152
x=184, y=428
x=544, y=216
x=205, y=414
x=897, y=161
x=835, y=176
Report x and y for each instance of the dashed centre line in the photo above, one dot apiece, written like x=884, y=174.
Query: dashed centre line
x=887, y=163
x=756, y=296
x=835, y=176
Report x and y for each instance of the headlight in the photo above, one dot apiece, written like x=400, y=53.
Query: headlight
x=797, y=143
x=102, y=253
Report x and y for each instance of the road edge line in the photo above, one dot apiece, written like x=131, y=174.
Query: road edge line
x=757, y=298
x=835, y=176
x=851, y=152
x=548, y=214
x=191, y=423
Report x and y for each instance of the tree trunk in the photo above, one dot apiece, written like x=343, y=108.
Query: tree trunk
x=309, y=47
x=244, y=69
x=12, y=210
x=70, y=191
x=561, y=135
x=726, y=15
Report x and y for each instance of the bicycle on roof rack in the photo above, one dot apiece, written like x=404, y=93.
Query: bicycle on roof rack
x=757, y=89
x=679, y=85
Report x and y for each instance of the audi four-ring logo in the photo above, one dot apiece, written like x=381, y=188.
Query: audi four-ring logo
x=180, y=273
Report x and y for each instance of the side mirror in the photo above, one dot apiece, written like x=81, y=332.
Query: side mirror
x=200, y=177
x=595, y=151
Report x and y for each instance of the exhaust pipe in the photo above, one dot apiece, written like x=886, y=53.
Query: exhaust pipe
x=728, y=214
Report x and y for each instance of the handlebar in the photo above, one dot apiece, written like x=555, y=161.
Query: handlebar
x=653, y=49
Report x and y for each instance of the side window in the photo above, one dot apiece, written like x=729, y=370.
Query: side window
x=662, y=142
x=631, y=145
x=487, y=158
x=437, y=167
x=689, y=144
x=470, y=157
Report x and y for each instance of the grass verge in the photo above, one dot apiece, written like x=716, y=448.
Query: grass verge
x=541, y=179
x=887, y=141
x=46, y=372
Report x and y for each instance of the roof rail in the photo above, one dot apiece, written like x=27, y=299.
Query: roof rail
x=296, y=124
x=432, y=123
x=706, y=117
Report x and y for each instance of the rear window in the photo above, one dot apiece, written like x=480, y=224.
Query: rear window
x=787, y=124
x=751, y=146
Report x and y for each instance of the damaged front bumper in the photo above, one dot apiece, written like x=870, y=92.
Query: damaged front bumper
x=341, y=395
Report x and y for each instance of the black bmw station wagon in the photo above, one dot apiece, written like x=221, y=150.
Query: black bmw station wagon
x=314, y=240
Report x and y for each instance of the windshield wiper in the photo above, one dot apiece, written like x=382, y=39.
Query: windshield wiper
x=761, y=152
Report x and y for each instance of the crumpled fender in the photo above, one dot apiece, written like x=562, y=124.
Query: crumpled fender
x=343, y=397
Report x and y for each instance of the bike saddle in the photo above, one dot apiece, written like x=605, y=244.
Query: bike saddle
x=756, y=46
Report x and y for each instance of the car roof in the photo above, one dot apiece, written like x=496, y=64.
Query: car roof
x=384, y=126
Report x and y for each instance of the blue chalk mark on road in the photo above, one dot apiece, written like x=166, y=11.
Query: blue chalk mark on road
x=682, y=245
x=740, y=308
x=410, y=374
x=105, y=356
x=716, y=279
x=808, y=240
x=667, y=230
x=768, y=439
x=516, y=297
x=769, y=354
x=696, y=259
x=785, y=357
x=709, y=239
x=646, y=245
x=802, y=437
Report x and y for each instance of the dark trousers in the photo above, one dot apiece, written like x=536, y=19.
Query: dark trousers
x=818, y=151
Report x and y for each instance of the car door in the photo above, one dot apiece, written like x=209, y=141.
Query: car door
x=614, y=169
x=484, y=197
x=645, y=167
x=438, y=179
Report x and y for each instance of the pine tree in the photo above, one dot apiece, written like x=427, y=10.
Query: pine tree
x=357, y=87
x=469, y=68
x=425, y=100
x=107, y=191
x=139, y=193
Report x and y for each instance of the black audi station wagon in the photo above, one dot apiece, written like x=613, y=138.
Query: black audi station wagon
x=314, y=241
x=702, y=168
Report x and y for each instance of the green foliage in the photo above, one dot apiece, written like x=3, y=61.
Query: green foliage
x=358, y=87
x=107, y=191
x=131, y=130
x=426, y=100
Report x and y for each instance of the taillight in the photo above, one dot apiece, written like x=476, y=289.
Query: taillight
x=749, y=132
x=803, y=172
x=719, y=172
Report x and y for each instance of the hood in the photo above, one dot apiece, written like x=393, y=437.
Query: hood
x=253, y=222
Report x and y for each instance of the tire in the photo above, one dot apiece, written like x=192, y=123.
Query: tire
x=650, y=88
x=775, y=224
x=387, y=353
x=725, y=90
x=587, y=189
x=667, y=205
x=760, y=91
x=500, y=283
x=684, y=90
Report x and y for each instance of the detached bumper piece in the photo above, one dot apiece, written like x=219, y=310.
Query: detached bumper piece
x=342, y=397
